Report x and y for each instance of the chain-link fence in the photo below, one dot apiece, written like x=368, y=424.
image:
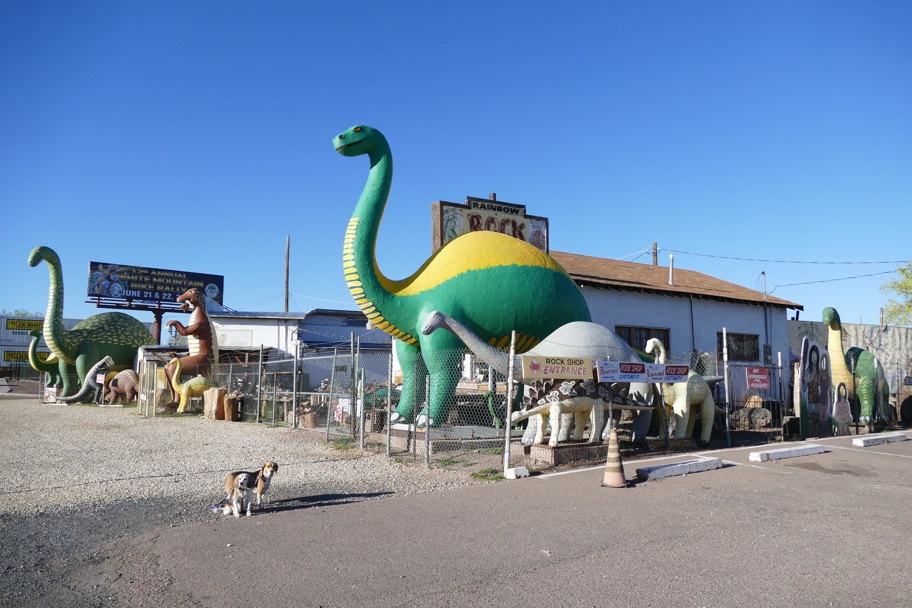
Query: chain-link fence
x=756, y=393
x=345, y=396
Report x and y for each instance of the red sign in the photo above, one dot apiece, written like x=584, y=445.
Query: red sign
x=758, y=378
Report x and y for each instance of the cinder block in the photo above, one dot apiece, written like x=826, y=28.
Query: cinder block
x=516, y=473
x=679, y=468
x=869, y=440
x=791, y=452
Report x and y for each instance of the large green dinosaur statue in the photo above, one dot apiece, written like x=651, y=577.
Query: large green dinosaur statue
x=869, y=383
x=490, y=282
x=111, y=333
x=51, y=367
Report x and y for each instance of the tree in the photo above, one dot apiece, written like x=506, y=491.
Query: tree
x=899, y=312
x=21, y=312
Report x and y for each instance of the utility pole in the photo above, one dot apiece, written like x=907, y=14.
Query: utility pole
x=287, y=251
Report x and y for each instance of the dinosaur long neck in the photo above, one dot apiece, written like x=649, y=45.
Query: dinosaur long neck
x=175, y=379
x=838, y=368
x=497, y=359
x=368, y=286
x=55, y=334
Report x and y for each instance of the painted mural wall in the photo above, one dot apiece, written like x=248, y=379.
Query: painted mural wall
x=891, y=345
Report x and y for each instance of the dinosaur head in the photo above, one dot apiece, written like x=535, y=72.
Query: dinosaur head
x=433, y=321
x=35, y=333
x=359, y=140
x=194, y=296
x=831, y=317
x=42, y=253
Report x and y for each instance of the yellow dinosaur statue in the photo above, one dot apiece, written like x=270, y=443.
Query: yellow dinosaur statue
x=194, y=387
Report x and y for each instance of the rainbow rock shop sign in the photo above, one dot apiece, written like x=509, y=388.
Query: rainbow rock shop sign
x=450, y=220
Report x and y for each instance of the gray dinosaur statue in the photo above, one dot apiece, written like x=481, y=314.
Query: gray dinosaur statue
x=90, y=383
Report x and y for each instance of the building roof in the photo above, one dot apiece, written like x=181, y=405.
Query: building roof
x=348, y=314
x=631, y=276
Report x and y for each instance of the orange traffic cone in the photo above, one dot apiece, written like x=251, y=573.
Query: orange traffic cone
x=614, y=470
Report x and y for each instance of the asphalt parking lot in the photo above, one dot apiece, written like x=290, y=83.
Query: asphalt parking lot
x=831, y=529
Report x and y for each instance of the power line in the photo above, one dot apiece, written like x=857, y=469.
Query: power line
x=726, y=257
x=861, y=276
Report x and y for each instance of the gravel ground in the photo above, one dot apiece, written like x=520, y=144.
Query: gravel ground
x=80, y=477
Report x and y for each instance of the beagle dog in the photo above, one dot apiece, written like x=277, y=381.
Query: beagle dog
x=257, y=482
x=241, y=497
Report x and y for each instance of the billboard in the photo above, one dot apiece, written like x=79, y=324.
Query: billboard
x=449, y=220
x=148, y=285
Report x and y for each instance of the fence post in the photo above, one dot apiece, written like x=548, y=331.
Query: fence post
x=509, y=412
x=363, y=405
x=353, y=387
x=294, y=390
x=427, y=419
x=275, y=395
x=725, y=379
x=781, y=397
x=259, y=383
x=389, y=407
x=332, y=386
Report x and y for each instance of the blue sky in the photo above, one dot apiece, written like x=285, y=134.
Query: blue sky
x=196, y=135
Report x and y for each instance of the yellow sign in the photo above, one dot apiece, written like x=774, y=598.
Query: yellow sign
x=25, y=324
x=562, y=368
x=22, y=355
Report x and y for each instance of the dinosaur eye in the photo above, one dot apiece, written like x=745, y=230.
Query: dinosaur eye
x=357, y=129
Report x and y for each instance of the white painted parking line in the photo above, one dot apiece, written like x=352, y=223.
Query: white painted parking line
x=837, y=447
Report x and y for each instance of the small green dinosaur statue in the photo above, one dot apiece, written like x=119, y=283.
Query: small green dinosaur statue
x=491, y=282
x=112, y=333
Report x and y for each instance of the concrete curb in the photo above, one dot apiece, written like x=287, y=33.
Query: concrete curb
x=879, y=439
x=679, y=468
x=792, y=452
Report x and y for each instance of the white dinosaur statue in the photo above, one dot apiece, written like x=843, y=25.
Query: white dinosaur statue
x=683, y=398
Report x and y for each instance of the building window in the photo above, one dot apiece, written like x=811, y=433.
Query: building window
x=741, y=347
x=638, y=336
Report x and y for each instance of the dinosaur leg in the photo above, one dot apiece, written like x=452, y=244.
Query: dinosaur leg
x=707, y=416
x=579, y=423
x=64, y=368
x=691, y=417
x=413, y=378
x=554, y=418
x=443, y=353
x=681, y=412
x=865, y=394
